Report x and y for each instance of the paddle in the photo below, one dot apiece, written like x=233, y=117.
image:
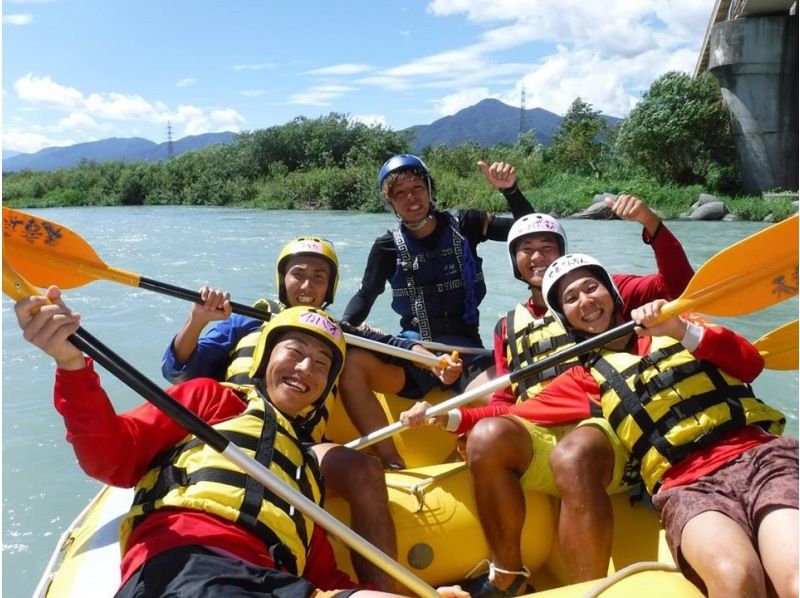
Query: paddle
x=750, y=275
x=48, y=253
x=16, y=287
x=442, y=347
x=779, y=347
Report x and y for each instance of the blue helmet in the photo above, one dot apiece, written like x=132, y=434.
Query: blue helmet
x=401, y=162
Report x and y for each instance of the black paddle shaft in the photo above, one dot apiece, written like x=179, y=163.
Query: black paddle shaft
x=148, y=389
x=194, y=296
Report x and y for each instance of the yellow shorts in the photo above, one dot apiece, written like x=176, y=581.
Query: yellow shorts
x=539, y=475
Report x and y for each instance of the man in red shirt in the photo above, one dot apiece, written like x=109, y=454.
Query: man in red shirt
x=567, y=452
x=197, y=525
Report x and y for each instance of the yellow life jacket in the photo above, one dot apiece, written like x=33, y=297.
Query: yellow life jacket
x=667, y=404
x=312, y=419
x=194, y=476
x=241, y=357
x=534, y=339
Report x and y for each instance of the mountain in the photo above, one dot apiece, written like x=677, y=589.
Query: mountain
x=488, y=122
x=131, y=149
x=10, y=154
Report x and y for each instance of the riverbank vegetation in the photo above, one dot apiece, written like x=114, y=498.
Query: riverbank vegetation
x=674, y=145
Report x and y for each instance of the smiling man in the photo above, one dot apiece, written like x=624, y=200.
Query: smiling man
x=557, y=449
x=198, y=526
x=189, y=535
x=431, y=262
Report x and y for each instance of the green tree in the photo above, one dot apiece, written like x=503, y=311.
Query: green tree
x=680, y=132
x=576, y=145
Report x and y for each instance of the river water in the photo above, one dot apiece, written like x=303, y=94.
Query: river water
x=44, y=489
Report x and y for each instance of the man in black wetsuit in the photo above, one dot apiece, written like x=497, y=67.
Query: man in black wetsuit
x=430, y=260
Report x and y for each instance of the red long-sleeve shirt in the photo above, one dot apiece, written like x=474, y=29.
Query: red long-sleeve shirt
x=674, y=273
x=569, y=396
x=118, y=449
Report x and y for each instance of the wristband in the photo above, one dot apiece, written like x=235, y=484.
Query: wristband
x=692, y=337
x=647, y=238
x=453, y=420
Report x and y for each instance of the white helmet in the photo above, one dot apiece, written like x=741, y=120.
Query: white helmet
x=563, y=266
x=528, y=225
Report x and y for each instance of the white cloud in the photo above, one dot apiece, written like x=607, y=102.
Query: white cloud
x=443, y=63
x=386, y=82
x=226, y=119
x=342, y=69
x=252, y=93
x=253, y=67
x=43, y=91
x=370, y=120
x=26, y=142
x=18, y=19
x=198, y=121
x=606, y=52
x=120, y=106
x=320, y=95
x=78, y=120
x=611, y=85
x=558, y=81
x=188, y=82
x=452, y=103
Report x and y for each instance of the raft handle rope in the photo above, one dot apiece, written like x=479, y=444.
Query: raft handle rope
x=494, y=569
x=418, y=490
x=481, y=567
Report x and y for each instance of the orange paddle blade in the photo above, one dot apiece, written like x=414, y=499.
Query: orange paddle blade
x=14, y=285
x=50, y=253
x=750, y=275
x=779, y=347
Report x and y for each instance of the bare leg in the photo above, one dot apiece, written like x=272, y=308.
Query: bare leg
x=723, y=556
x=498, y=453
x=778, y=545
x=359, y=480
x=364, y=373
x=583, y=463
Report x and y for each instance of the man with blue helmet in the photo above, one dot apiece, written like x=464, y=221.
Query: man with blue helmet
x=430, y=260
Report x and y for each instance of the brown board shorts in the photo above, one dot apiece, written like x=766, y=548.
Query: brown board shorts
x=746, y=488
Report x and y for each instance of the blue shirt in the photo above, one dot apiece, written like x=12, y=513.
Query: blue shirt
x=211, y=357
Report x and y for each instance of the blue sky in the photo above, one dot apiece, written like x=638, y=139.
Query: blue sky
x=82, y=70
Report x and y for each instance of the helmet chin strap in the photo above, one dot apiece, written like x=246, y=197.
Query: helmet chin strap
x=419, y=224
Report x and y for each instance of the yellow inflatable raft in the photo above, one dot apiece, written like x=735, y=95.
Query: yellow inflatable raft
x=439, y=537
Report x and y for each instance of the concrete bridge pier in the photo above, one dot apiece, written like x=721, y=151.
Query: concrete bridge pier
x=755, y=61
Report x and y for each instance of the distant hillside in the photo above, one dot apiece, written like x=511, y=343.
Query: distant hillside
x=488, y=122
x=133, y=149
